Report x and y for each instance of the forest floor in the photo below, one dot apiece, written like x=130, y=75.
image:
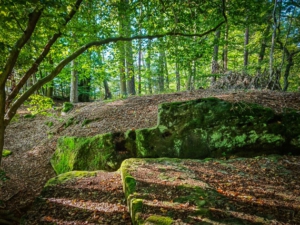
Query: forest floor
x=33, y=141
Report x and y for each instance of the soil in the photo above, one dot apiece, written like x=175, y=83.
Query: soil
x=33, y=140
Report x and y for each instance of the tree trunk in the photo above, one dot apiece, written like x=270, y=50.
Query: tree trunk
x=130, y=69
x=140, y=68
x=148, y=64
x=108, y=94
x=2, y=113
x=84, y=90
x=246, y=51
x=189, y=77
x=273, y=41
x=262, y=51
x=177, y=73
x=214, y=65
x=166, y=69
x=225, y=50
x=161, y=83
x=121, y=46
x=49, y=90
x=74, y=83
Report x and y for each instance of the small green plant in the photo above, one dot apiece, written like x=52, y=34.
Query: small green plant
x=69, y=122
x=6, y=153
x=3, y=176
x=15, y=118
x=67, y=106
x=49, y=123
x=38, y=104
x=29, y=116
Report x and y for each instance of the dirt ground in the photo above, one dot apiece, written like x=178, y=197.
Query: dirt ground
x=33, y=141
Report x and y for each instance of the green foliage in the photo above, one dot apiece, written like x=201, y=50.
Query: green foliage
x=29, y=116
x=6, y=153
x=3, y=176
x=38, y=104
x=49, y=123
x=161, y=220
x=67, y=106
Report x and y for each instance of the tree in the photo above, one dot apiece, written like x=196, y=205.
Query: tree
x=60, y=14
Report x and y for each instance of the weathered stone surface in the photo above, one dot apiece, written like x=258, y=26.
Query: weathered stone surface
x=166, y=199
x=89, y=153
x=212, y=127
x=194, y=129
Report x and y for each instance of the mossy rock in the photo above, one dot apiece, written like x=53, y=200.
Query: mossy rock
x=67, y=106
x=212, y=127
x=158, y=220
x=6, y=153
x=100, y=152
x=65, y=177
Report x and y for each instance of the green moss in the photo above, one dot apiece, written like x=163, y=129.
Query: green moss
x=69, y=122
x=135, y=207
x=15, y=118
x=130, y=185
x=159, y=220
x=65, y=177
x=67, y=106
x=85, y=153
x=277, y=140
x=49, y=123
x=29, y=116
x=6, y=153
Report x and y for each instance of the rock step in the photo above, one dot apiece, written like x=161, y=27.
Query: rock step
x=81, y=198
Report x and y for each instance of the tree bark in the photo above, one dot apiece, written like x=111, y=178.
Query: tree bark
x=214, y=65
x=225, y=50
x=273, y=40
x=2, y=124
x=108, y=94
x=246, y=51
x=74, y=83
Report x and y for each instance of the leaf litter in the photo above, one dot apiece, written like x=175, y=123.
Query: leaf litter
x=33, y=142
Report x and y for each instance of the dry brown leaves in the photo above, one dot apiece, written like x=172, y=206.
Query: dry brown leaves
x=29, y=168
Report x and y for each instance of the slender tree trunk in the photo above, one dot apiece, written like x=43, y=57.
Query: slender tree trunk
x=121, y=46
x=140, y=68
x=287, y=72
x=214, y=65
x=273, y=40
x=161, y=82
x=246, y=51
x=108, y=94
x=189, y=77
x=2, y=113
x=166, y=69
x=74, y=83
x=85, y=88
x=130, y=69
x=49, y=90
x=262, y=51
x=148, y=64
x=225, y=50
x=177, y=73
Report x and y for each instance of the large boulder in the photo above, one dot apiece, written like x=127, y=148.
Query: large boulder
x=194, y=129
x=101, y=152
x=212, y=127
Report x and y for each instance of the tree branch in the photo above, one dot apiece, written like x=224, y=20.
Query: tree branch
x=13, y=56
x=35, y=65
x=12, y=111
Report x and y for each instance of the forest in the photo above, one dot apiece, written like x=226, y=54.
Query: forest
x=82, y=51
x=89, y=50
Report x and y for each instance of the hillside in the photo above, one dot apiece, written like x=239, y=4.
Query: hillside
x=33, y=142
